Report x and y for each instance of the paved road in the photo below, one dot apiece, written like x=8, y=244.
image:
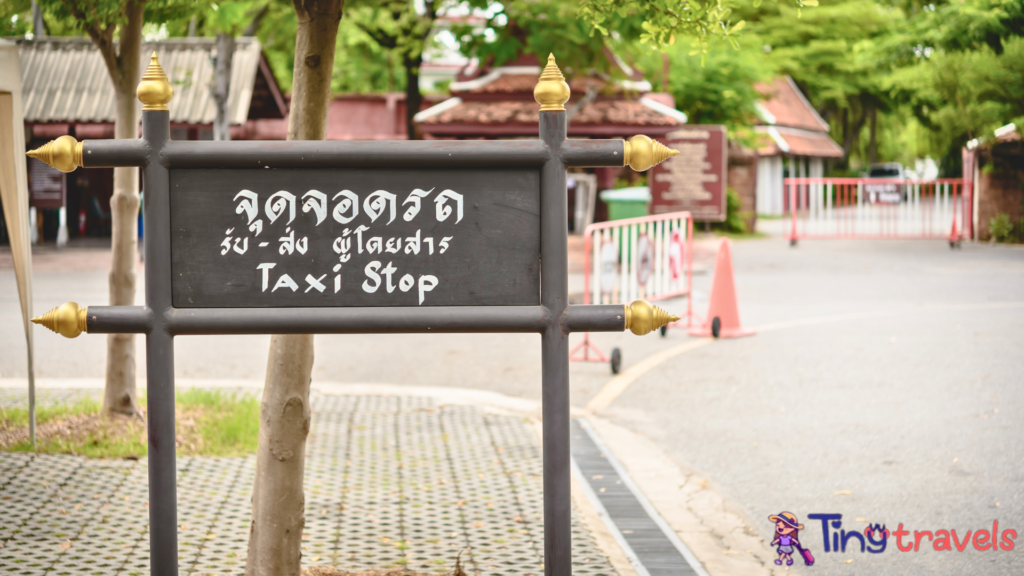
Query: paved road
x=893, y=373
x=907, y=408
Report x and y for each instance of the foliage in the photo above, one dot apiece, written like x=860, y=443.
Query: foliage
x=733, y=217
x=662, y=20
x=719, y=91
x=542, y=27
x=958, y=96
x=361, y=65
x=1001, y=227
x=209, y=423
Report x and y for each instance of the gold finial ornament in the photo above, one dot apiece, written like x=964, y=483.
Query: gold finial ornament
x=64, y=153
x=642, y=153
x=642, y=317
x=68, y=320
x=551, y=92
x=155, y=91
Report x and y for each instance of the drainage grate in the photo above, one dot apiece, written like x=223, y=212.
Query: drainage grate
x=391, y=482
x=637, y=527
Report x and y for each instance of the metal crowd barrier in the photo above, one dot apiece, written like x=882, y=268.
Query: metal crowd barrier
x=877, y=208
x=650, y=257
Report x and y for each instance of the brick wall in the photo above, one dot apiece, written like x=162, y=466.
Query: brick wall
x=1000, y=185
x=742, y=177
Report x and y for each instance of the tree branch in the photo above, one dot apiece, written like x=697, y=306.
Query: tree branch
x=103, y=38
x=257, y=19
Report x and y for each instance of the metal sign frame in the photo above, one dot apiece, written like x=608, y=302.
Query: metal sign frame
x=554, y=319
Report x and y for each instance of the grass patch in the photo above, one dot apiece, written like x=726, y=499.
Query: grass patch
x=208, y=423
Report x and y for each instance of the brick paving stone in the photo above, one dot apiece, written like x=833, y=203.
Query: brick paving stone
x=391, y=481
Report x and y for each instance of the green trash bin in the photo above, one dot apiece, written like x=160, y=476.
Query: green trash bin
x=627, y=202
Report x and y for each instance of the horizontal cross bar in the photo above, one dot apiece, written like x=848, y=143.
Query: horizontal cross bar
x=351, y=154
x=405, y=320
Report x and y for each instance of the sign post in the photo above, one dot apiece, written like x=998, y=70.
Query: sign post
x=695, y=180
x=352, y=238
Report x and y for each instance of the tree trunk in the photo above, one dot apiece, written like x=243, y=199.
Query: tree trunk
x=278, y=499
x=120, y=392
x=872, y=156
x=278, y=502
x=222, y=86
x=413, y=98
x=314, y=62
x=853, y=134
x=38, y=24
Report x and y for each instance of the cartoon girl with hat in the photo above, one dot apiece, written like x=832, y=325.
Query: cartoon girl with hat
x=786, y=529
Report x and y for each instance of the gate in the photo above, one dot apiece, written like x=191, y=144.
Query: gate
x=650, y=257
x=293, y=237
x=877, y=208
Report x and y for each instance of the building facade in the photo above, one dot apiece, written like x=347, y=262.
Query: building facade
x=798, y=143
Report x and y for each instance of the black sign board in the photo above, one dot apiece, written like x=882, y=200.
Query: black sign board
x=354, y=237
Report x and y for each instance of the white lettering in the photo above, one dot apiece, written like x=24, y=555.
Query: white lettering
x=315, y=283
x=427, y=283
x=388, y=271
x=249, y=204
x=443, y=210
x=406, y=283
x=359, y=237
x=285, y=281
x=376, y=203
x=414, y=198
x=317, y=202
x=444, y=243
x=350, y=203
x=266, y=272
x=371, y=272
x=412, y=243
x=277, y=203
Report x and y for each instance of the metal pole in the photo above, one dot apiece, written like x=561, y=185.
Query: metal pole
x=555, y=353
x=163, y=498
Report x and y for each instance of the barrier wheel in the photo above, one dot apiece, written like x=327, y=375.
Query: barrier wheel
x=792, y=243
x=664, y=331
x=616, y=360
x=716, y=327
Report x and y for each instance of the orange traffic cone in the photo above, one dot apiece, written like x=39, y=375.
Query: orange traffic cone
x=723, y=318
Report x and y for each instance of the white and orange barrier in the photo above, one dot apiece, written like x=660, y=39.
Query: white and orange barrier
x=877, y=208
x=649, y=258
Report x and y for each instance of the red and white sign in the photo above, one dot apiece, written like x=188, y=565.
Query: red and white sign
x=693, y=181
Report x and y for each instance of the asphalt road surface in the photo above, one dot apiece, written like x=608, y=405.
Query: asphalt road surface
x=885, y=384
x=888, y=388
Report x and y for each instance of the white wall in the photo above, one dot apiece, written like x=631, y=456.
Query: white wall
x=769, y=185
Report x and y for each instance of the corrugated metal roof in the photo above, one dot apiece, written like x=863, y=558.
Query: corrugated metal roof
x=65, y=79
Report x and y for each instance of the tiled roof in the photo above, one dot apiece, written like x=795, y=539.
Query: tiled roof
x=787, y=106
x=797, y=142
x=65, y=79
x=507, y=84
x=617, y=112
x=525, y=83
